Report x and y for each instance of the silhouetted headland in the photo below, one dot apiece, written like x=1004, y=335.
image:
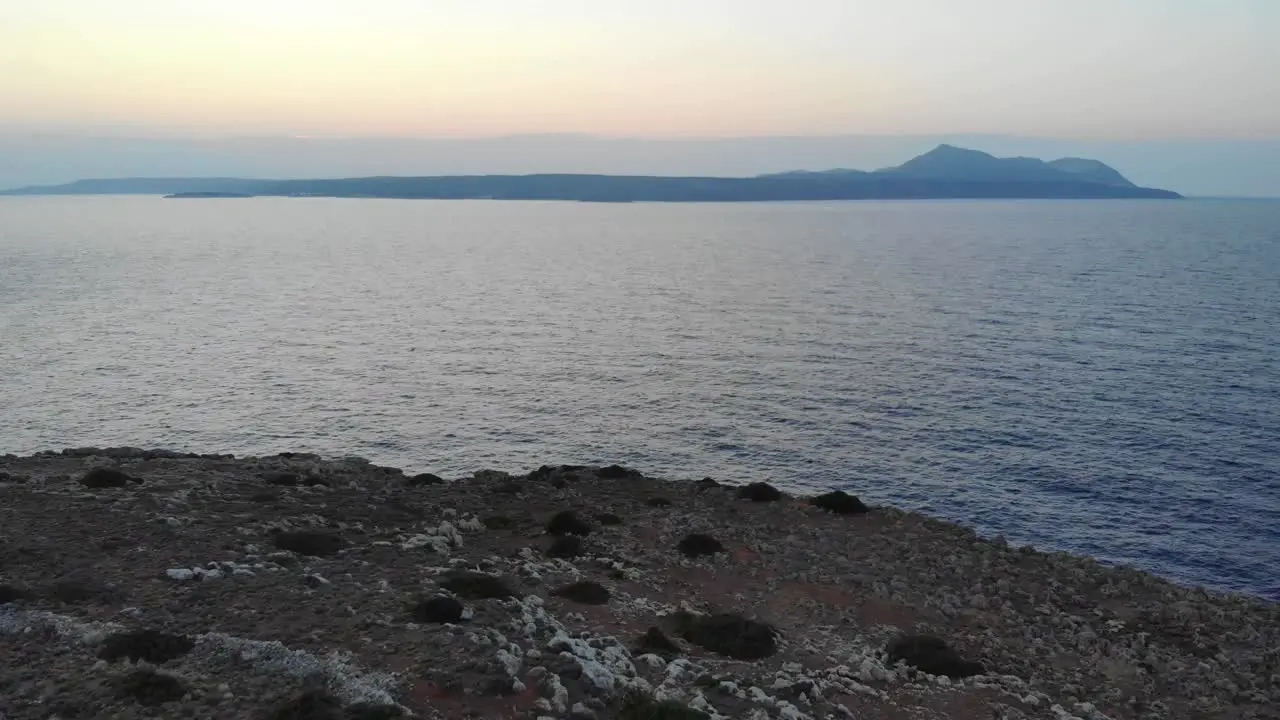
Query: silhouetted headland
x=946, y=172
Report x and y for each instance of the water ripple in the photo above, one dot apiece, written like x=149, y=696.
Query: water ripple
x=1096, y=377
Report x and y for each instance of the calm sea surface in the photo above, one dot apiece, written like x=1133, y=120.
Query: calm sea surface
x=1100, y=377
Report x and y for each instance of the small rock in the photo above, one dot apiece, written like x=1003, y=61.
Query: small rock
x=658, y=502
x=568, y=523
x=759, y=492
x=698, y=544
x=585, y=592
x=424, y=479
x=180, y=574
x=839, y=502
x=707, y=483
x=315, y=581
x=616, y=472
x=608, y=519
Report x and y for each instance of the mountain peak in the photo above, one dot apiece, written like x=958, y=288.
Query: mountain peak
x=948, y=162
x=956, y=151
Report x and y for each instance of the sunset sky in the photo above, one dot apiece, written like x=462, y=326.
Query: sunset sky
x=1117, y=69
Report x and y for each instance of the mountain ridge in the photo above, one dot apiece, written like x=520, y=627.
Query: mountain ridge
x=945, y=172
x=950, y=162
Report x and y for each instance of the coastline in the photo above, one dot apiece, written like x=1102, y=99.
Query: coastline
x=194, y=550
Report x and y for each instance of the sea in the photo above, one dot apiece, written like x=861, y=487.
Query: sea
x=1098, y=377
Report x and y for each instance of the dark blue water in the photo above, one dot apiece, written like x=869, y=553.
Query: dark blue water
x=1101, y=377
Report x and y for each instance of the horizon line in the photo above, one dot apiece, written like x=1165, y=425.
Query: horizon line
x=284, y=135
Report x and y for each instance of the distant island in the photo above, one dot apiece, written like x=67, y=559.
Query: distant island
x=946, y=172
x=207, y=194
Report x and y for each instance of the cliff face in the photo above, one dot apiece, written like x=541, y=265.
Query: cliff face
x=295, y=586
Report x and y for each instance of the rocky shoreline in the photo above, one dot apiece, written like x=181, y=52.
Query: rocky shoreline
x=155, y=584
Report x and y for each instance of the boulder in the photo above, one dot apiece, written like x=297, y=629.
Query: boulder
x=729, y=634
x=439, y=609
x=283, y=479
x=12, y=593
x=759, y=492
x=151, y=645
x=309, y=705
x=698, y=544
x=565, y=547
x=373, y=711
x=312, y=543
x=476, y=585
x=552, y=471
x=100, y=478
x=585, y=592
x=568, y=523
x=640, y=708
x=151, y=688
x=656, y=642
x=498, y=522
x=839, y=502
x=78, y=591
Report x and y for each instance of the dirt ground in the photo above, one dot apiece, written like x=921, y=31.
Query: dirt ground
x=145, y=584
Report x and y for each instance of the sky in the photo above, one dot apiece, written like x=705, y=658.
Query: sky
x=1080, y=68
x=1084, y=71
